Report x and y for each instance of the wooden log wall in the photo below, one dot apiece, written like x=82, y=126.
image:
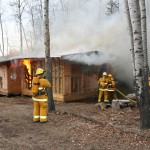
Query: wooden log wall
x=14, y=80
x=57, y=75
x=80, y=81
x=67, y=78
x=3, y=77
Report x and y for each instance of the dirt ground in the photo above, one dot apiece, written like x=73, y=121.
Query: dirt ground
x=74, y=126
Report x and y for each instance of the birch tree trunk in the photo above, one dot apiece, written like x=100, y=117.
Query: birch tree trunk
x=2, y=50
x=48, y=66
x=130, y=33
x=144, y=31
x=20, y=26
x=146, y=103
x=140, y=76
x=144, y=40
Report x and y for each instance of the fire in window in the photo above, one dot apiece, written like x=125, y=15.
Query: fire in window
x=28, y=77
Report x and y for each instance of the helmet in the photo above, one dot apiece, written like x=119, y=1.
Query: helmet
x=110, y=75
x=39, y=71
x=104, y=74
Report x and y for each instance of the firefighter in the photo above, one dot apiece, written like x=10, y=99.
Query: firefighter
x=111, y=87
x=40, y=98
x=103, y=91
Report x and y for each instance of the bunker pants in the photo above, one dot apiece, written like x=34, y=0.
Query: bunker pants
x=104, y=94
x=101, y=94
x=40, y=111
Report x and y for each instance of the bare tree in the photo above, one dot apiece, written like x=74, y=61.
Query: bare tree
x=19, y=6
x=54, y=7
x=38, y=20
x=64, y=8
x=25, y=36
x=32, y=14
x=1, y=24
x=51, y=106
x=130, y=33
x=112, y=7
x=144, y=35
x=39, y=8
x=2, y=34
x=140, y=75
x=35, y=19
x=145, y=112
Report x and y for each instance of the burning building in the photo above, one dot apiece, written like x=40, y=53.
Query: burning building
x=72, y=79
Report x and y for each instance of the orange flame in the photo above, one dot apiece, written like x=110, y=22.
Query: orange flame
x=26, y=62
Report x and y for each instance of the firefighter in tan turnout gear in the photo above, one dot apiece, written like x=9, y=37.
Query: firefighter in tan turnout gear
x=111, y=88
x=40, y=98
x=103, y=90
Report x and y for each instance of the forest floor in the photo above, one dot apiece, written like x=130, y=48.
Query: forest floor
x=73, y=126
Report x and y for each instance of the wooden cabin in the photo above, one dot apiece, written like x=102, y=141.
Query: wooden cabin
x=71, y=80
x=10, y=79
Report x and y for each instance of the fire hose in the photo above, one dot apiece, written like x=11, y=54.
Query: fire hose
x=126, y=96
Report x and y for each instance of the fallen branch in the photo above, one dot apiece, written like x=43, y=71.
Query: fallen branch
x=88, y=118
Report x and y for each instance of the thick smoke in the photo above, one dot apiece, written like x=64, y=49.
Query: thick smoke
x=86, y=27
x=94, y=58
x=90, y=29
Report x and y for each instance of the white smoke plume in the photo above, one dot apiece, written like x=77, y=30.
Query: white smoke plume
x=88, y=30
x=94, y=58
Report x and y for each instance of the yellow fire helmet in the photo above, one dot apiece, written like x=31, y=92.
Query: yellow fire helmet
x=40, y=71
x=110, y=75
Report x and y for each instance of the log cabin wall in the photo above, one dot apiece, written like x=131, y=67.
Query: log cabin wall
x=76, y=76
x=57, y=75
x=67, y=78
x=80, y=81
x=3, y=79
x=90, y=78
x=14, y=80
x=70, y=81
x=58, y=79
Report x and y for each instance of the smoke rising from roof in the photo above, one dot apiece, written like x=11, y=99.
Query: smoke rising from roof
x=93, y=58
x=89, y=29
